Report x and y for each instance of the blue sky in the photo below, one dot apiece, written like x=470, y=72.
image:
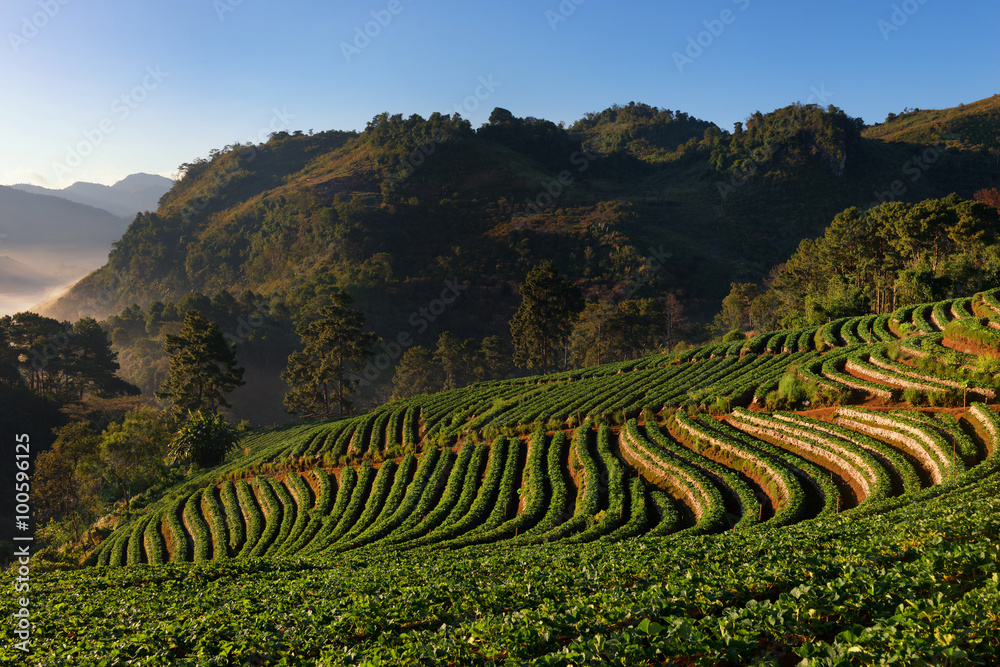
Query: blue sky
x=95, y=90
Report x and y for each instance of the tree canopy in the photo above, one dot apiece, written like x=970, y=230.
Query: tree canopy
x=203, y=368
x=880, y=259
x=544, y=320
x=335, y=344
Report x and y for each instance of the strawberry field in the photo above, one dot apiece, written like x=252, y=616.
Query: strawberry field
x=822, y=496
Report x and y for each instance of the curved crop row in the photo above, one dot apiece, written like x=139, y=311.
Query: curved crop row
x=784, y=490
x=704, y=498
x=863, y=472
x=905, y=472
x=749, y=510
x=913, y=439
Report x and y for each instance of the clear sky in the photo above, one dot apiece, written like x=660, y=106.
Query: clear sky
x=94, y=90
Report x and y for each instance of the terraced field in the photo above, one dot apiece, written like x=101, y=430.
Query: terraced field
x=627, y=474
x=597, y=454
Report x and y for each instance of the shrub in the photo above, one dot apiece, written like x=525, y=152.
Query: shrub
x=719, y=406
x=203, y=440
x=791, y=389
x=733, y=336
x=949, y=398
x=914, y=397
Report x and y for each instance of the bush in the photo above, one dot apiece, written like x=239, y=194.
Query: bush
x=203, y=440
x=733, y=336
x=791, y=389
x=945, y=398
x=824, y=398
x=719, y=406
x=914, y=397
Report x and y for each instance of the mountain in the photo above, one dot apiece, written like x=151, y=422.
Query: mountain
x=393, y=211
x=54, y=242
x=37, y=221
x=131, y=195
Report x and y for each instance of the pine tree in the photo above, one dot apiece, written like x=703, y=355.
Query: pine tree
x=203, y=366
x=335, y=343
x=91, y=362
x=549, y=305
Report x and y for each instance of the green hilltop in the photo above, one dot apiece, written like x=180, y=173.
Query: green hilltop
x=967, y=126
x=393, y=210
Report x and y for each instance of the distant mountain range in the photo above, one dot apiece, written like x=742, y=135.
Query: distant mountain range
x=33, y=222
x=51, y=238
x=131, y=195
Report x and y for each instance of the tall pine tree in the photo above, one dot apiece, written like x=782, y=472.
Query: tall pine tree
x=542, y=324
x=203, y=367
x=334, y=344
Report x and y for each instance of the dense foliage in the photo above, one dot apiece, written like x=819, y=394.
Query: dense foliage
x=877, y=260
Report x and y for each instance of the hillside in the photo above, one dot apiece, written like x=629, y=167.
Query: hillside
x=17, y=278
x=839, y=499
x=58, y=240
x=967, y=126
x=391, y=213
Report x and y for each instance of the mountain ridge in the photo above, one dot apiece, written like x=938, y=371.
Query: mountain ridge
x=135, y=193
x=413, y=201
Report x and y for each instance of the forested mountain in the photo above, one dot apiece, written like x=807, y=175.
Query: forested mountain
x=632, y=202
x=410, y=202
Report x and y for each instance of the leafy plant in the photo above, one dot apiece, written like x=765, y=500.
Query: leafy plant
x=203, y=439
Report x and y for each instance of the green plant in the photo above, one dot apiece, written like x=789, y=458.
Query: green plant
x=203, y=439
x=791, y=389
x=914, y=397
